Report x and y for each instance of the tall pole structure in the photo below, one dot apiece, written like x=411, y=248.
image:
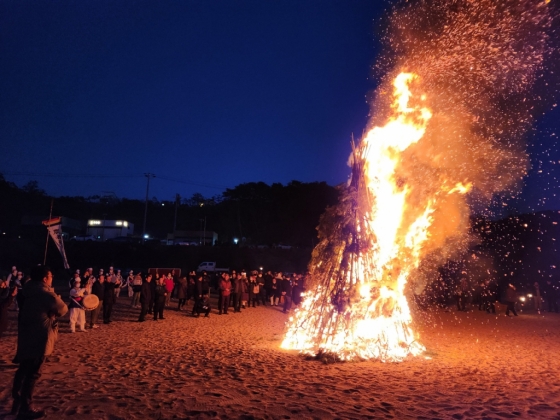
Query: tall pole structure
x=48, y=233
x=204, y=230
x=147, y=175
x=177, y=200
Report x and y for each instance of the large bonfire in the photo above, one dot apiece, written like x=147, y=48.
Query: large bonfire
x=443, y=133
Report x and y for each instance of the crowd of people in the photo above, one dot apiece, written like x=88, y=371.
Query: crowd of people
x=94, y=295
x=486, y=293
x=151, y=292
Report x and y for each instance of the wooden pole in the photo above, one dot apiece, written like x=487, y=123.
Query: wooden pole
x=48, y=233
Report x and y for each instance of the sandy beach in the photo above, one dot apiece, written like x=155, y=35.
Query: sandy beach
x=478, y=366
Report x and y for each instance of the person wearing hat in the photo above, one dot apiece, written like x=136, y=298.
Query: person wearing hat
x=77, y=311
x=74, y=278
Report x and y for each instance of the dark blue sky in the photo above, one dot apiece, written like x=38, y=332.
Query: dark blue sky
x=210, y=93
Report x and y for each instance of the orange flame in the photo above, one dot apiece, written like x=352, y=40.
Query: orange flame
x=377, y=322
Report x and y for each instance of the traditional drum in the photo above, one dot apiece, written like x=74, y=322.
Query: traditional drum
x=90, y=302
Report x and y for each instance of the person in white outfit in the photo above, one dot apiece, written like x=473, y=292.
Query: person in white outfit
x=77, y=311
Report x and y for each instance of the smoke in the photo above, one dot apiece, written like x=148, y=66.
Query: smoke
x=479, y=64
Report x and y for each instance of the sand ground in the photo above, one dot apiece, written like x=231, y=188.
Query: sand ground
x=480, y=366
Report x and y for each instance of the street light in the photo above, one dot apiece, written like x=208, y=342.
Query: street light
x=235, y=240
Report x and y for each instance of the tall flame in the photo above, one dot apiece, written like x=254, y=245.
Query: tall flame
x=368, y=317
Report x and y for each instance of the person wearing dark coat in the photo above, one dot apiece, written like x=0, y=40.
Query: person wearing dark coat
x=97, y=289
x=5, y=304
x=197, y=292
x=191, y=286
x=286, y=287
x=109, y=299
x=37, y=334
x=182, y=292
x=268, y=287
x=551, y=296
x=203, y=305
x=511, y=297
x=145, y=297
x=233, y=296
x=152, y=301
x=297, y=290
x=261, y=297
x=240, y=293
x=159, y=299
x=205, y=284
x=275, y=292
x=490, y=294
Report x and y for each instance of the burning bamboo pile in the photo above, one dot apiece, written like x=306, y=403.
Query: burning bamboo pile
x=441, y=131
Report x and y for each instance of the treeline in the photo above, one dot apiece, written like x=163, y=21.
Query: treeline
x=255, y=213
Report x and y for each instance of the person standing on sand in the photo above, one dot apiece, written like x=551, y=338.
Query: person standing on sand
x=136, y=290
x=253, y=290
x=37, y=334
x=274, y=290
x=159, y=299
x=225, y=291
x=145, y=297
x=286, y=287
x=130, y=286
x=511, y=297
x=191, y=287
x=551, y=296
x=489, y=296
x=537, y=297
x=5, y=304
x=77, y=311
x=97, y=289
x=262, y=292
x=240, y=293
x=182, y=292
x=169, y=285
x=109, y=297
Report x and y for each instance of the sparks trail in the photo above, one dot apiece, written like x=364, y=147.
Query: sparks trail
x=441, y=129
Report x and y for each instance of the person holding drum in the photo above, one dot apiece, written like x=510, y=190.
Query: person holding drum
x=77, y=310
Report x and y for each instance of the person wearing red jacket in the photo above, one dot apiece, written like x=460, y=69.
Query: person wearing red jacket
x=225, y=289
x=169, y=285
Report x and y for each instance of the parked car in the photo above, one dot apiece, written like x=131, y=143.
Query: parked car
x=83, y=238
x=210, y=267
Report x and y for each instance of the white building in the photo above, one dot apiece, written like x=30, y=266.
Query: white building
x=108, y=229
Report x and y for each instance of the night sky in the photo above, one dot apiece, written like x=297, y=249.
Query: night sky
x=204, y=94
